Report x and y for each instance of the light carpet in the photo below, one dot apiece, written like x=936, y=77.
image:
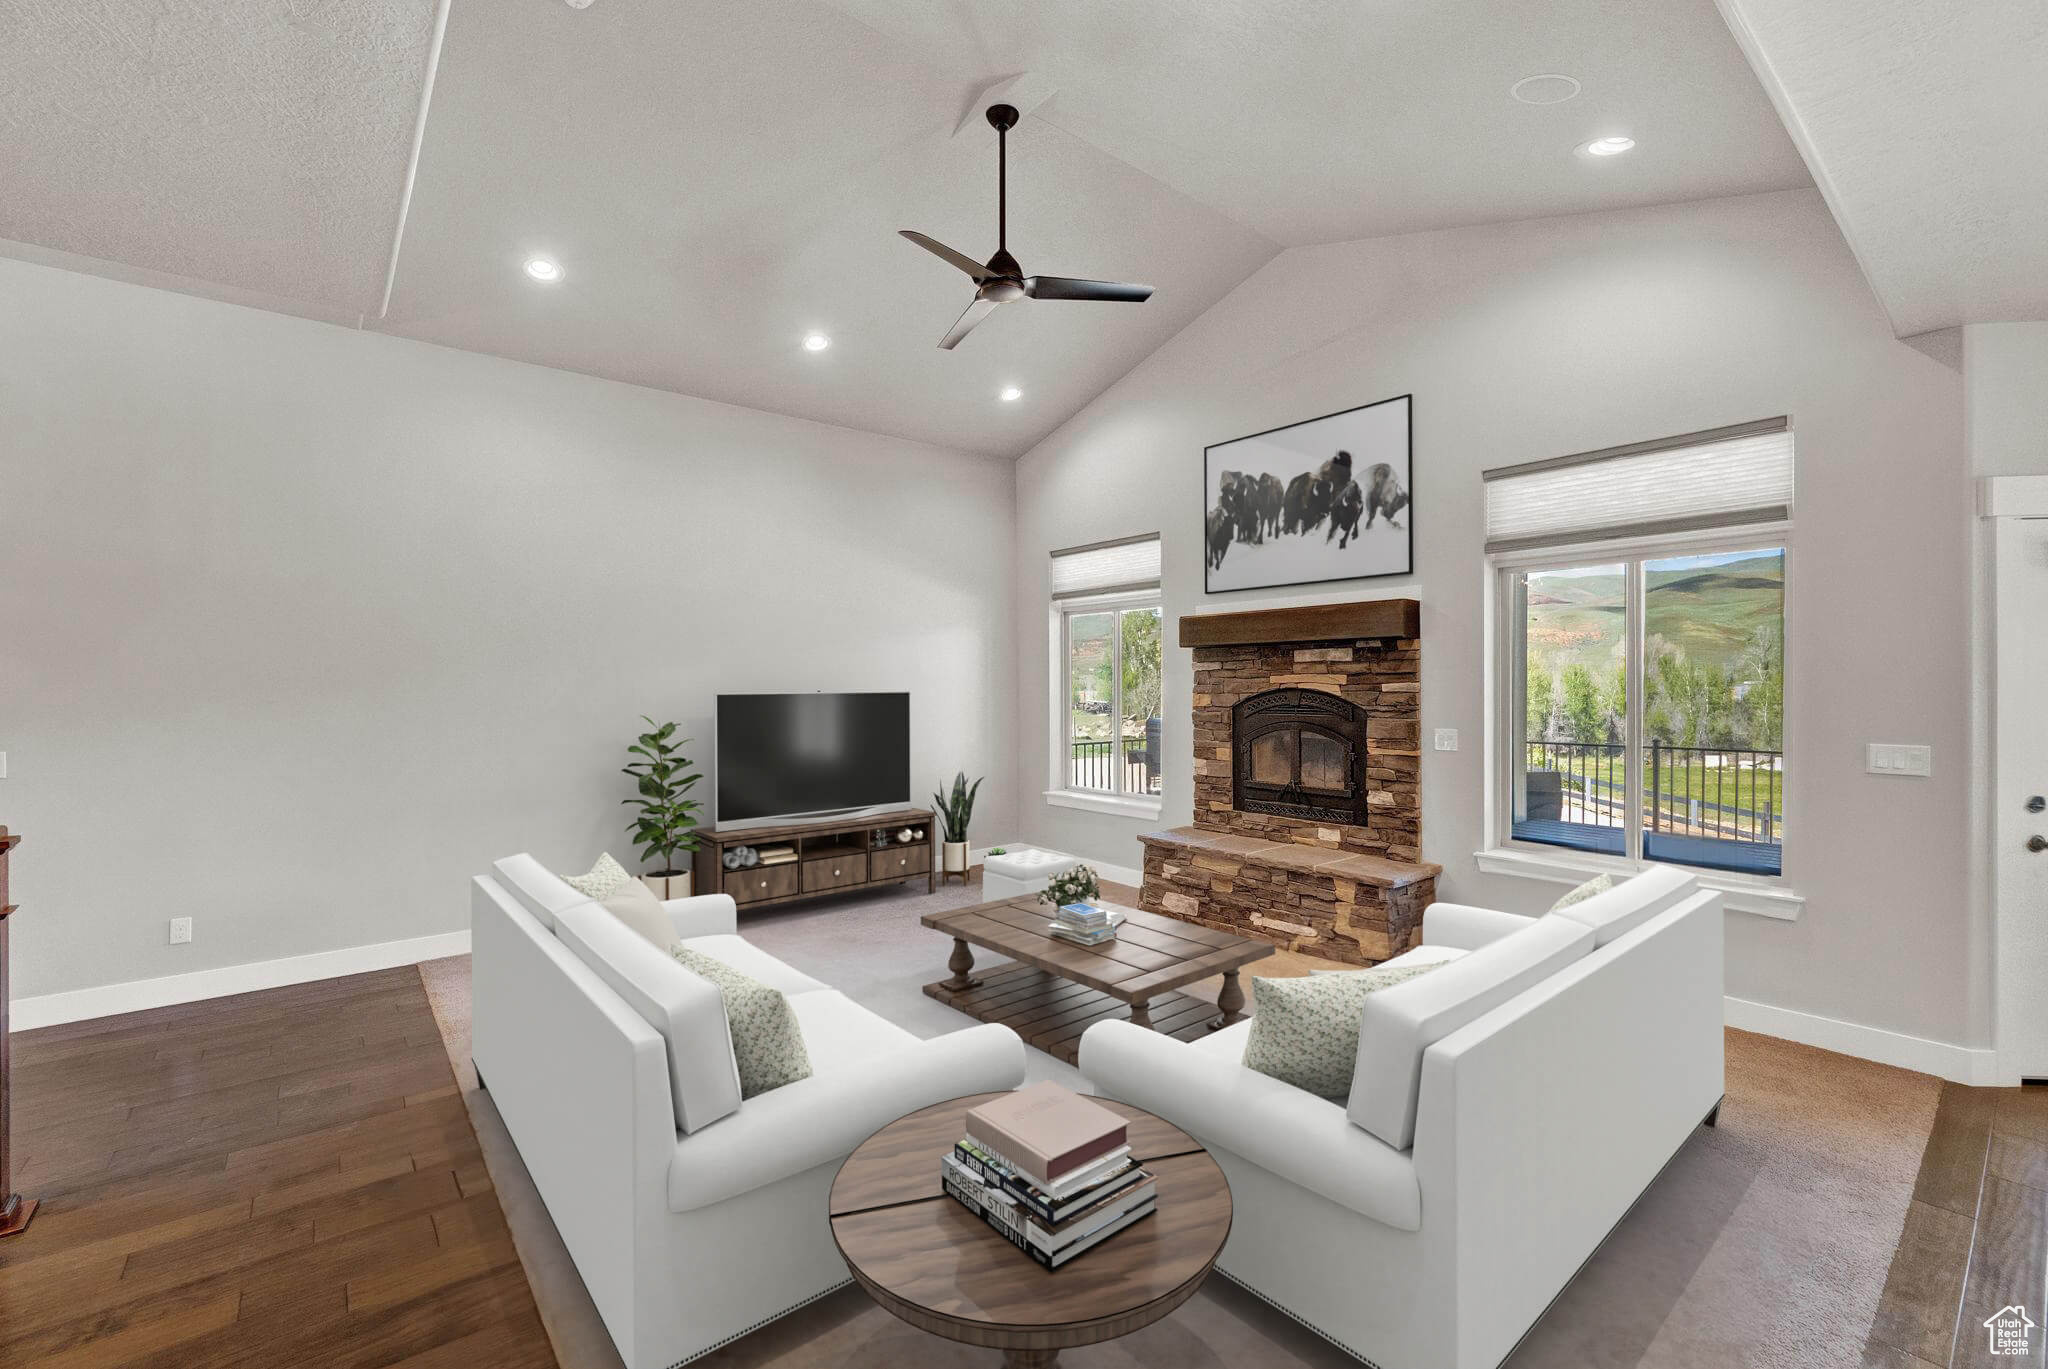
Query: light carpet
x=1765, y=1243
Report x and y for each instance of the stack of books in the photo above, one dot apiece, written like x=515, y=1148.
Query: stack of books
x=777, y=855
x=1087, y=924
x=1050, y=1171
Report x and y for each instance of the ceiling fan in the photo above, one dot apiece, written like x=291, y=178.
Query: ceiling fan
x=1001, y=279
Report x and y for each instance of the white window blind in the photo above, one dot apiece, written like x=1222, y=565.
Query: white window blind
x=1130, y=563
x=1726, y=478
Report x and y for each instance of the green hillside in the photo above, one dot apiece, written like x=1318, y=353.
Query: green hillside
x=1710, y=614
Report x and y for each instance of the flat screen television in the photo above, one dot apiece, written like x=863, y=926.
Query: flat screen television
x=792, y=757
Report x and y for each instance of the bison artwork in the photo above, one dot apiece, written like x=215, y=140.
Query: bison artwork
x=1220, y=528
x=1326, y=499
x=1386, y=497
x=1344, y=515
x=1237, y=496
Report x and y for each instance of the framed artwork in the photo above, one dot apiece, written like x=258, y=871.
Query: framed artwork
x=1323, y=499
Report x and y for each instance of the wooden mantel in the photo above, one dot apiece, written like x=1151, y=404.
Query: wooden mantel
x=1305, y=623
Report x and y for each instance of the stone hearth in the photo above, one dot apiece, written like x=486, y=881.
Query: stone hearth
x=1351, y=891
x=1322, y=902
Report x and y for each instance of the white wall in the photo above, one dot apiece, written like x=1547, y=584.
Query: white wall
x=300, y=626
x=1528, y=340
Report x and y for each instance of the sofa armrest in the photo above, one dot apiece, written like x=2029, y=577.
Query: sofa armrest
x=1306, y=1140
x=799, y=1126
x=704, y=915
x=1465, y=928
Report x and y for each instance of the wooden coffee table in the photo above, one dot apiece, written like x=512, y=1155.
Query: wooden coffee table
x=1057, y=990
x=936, y=1265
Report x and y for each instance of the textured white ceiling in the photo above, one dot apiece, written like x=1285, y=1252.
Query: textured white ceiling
x=258, y=145
x=1926, y=126
x=720, y=177
x=1330, y=120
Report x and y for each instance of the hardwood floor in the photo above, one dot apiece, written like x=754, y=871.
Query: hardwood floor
x=279, y=1178
x=1976, y=1235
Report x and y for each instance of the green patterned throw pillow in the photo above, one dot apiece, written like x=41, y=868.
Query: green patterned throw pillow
x=1305, y=1031
x=1598, y=884
x=605, y=879
x=767, y=1040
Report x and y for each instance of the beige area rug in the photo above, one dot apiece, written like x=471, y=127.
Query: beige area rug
x=1764, y=1244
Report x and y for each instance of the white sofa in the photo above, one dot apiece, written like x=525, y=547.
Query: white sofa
x=1505, y=1113
x=693, y=1217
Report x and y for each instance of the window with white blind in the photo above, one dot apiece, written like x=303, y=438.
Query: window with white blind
x=1107, y=654
x=1640, y=598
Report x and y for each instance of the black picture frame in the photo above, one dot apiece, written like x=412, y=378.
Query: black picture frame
x=1212, y=472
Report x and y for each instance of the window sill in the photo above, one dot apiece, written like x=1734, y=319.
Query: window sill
x=1738, y=894
x=1103, y=803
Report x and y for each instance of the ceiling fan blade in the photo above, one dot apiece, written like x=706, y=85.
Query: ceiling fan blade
x=939, y=249
x=1065, y=287
x=976, y=312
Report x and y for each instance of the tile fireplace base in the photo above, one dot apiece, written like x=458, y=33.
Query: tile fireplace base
x=1331, y=903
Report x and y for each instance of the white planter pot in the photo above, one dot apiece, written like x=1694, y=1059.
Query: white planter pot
x=668, y=886
x=955, y=854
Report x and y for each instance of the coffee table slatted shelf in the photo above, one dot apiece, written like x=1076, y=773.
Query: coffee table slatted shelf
x=1056, y=990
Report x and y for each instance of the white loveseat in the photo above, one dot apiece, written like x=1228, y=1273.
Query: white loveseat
x=692, y=1217
x=1506, y=1111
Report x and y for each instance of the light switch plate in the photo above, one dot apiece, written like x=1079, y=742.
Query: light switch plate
x=181, y=930
x=1891, y=758
x=1447, y=739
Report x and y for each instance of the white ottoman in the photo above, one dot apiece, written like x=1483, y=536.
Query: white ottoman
x=1022, y=870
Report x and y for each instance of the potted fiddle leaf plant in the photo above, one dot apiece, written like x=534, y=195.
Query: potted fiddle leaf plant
x=666, y=815
x=956, y=810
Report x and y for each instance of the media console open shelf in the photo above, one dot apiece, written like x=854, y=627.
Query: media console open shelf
x=830, y=856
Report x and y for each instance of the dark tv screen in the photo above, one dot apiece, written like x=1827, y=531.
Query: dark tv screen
x=792, y=755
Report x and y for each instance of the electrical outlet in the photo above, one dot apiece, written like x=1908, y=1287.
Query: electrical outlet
x=1447, y=739
x=181, y=930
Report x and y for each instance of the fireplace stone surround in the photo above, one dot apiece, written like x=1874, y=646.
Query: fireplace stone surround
x=1326, y=856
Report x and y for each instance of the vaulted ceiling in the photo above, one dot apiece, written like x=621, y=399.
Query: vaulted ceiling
x=1926, y=126
x=719, y=178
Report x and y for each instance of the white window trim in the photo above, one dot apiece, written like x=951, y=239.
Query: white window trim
x=1058, y=795
x=1772, y=897
x=1091, y=801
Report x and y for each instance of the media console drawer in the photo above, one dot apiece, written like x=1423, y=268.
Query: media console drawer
x=832, y=872
x=900, y=860
x=763, y=881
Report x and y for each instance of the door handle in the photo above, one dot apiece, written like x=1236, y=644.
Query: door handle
x=2037, y=843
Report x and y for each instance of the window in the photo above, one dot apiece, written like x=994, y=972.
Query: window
x=1642, y=703
x=1108, y=654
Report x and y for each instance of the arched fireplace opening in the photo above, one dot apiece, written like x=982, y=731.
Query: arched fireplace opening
x=1299, y=753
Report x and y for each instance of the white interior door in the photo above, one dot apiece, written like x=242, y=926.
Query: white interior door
x=2019, y=822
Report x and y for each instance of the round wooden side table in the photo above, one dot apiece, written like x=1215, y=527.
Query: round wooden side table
x=934, y=1264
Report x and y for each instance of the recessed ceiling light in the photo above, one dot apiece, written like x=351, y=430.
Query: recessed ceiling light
x=1011, y=394
x=542, y=269
x=816, y=342
x=1608, y=147
x=1550, y=88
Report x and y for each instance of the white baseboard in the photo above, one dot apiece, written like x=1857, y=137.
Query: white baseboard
x=1118, y=874
x=53, y=1009
x=1960, y=1064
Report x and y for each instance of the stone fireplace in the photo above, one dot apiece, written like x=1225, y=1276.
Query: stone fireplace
x=1308, y=810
